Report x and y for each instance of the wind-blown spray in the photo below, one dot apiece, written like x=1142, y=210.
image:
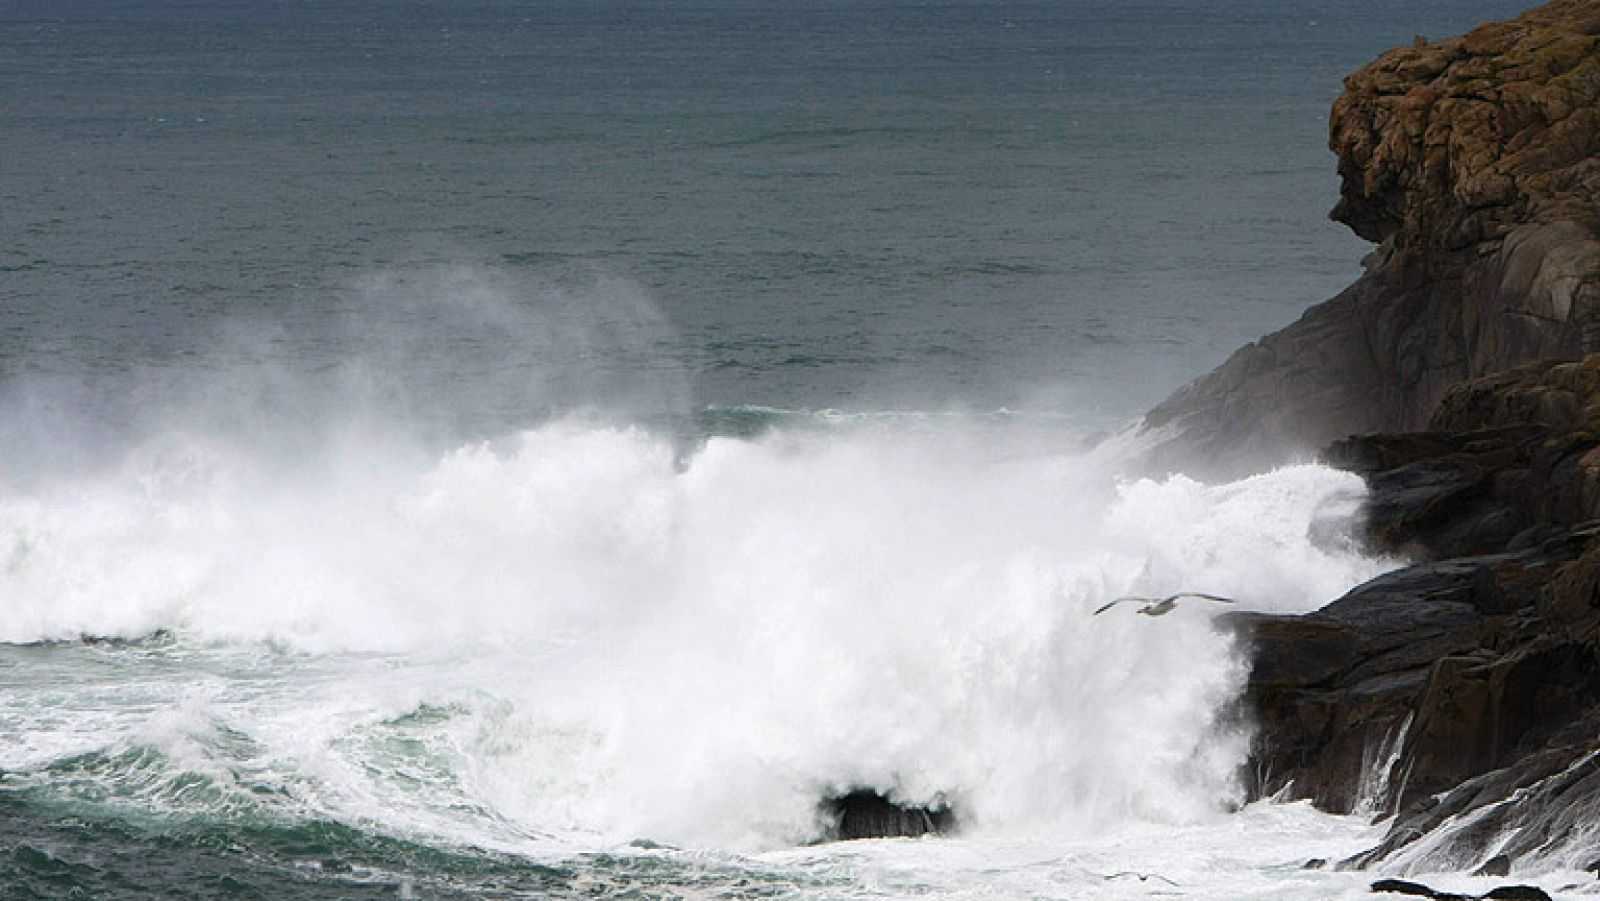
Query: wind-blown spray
x=597, y=634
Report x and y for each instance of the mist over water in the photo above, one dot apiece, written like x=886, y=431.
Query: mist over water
x=419, y=360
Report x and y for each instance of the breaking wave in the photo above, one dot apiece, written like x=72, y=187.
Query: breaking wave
x=585, y=629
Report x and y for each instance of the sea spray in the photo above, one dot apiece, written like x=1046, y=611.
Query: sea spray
x=389, y=369
x=581, y=630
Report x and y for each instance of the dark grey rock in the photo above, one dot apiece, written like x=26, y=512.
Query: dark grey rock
x=1415, y=889
x=865, y=813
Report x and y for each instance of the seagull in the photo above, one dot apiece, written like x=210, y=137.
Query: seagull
x=1158, y=606
x=1142, y=877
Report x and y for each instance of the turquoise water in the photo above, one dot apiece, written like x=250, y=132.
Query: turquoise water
x=538, y=449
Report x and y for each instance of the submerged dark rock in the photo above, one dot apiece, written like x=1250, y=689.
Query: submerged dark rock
x=865, y=813
x=1415, y=889
x=1516, y=893
x=1502, y=893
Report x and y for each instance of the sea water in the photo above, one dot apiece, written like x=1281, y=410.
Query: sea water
x=543, y=449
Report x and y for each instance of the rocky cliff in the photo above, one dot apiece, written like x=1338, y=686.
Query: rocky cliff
x=1461, y=693
x=1460, y=375
x=1474, y=164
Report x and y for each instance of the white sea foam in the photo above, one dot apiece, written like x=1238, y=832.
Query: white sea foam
x=630, y=641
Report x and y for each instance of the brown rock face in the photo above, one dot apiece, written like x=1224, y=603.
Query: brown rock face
x=1475, y=164
x=1447, y=145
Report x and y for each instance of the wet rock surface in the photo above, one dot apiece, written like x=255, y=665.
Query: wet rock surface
x=865, y=813
x=1508, y=461
x=1503, y=893
x=1462, y=692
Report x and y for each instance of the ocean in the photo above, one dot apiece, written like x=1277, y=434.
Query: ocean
x=500, y=449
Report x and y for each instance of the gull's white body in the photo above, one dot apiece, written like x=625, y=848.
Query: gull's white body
x=1159, y=606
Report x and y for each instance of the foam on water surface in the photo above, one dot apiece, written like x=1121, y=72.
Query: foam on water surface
x=582, y=630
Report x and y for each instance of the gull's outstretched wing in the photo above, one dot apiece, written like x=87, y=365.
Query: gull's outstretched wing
x=1202, y=596
x=1114, y=603
x=1142, y=877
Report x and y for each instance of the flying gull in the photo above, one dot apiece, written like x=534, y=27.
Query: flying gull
x=1158, y=606
x=1142, y=877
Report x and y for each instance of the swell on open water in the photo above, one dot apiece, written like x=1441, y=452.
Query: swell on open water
x=542, y=450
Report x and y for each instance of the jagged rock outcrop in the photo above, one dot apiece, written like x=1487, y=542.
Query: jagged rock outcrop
x=1446, y=145
x=1474, y=164
x=1508, y=460
x=1462, y=692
